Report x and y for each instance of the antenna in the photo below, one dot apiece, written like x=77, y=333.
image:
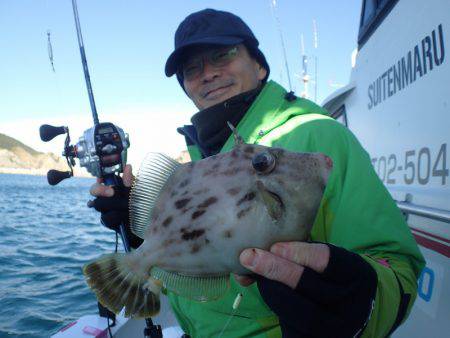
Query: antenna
x=305, y=76
x=302, y=44
x=315, y=33
x=273, y=5
x=315, y=39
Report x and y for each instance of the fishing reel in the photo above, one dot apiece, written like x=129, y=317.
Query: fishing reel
x=102, y=150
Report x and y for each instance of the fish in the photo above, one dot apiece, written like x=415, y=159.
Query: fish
x=197, y=217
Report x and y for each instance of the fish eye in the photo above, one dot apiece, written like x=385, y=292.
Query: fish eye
x=264, y=163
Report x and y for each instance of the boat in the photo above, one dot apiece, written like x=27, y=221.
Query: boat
x=397, y=103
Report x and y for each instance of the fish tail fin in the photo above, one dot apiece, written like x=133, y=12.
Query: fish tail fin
x=117, y=285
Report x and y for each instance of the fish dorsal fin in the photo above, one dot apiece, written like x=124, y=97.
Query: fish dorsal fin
x=154, y=172
x=199, y=288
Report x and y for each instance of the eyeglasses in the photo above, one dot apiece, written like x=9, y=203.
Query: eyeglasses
x=220, y=57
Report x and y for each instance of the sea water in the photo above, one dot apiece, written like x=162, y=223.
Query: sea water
x=47, y=233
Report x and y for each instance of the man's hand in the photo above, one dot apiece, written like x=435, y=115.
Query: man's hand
x=315, y=289
x=285, y=262
x=100, y=190
x=112, y=203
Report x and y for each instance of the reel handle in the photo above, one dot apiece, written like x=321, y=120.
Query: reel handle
x=56, y=176
x=48, y=132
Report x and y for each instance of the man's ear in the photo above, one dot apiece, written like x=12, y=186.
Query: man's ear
x=261, y=71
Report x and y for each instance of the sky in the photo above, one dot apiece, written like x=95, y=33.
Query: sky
x=127, y=44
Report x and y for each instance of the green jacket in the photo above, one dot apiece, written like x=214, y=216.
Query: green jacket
x=356, y=213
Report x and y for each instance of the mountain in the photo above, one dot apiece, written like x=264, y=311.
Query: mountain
x=16, y=157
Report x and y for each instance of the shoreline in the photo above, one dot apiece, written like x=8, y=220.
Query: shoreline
x=36, y=172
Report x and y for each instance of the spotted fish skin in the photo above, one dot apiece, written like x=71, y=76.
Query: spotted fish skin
x=210, y=210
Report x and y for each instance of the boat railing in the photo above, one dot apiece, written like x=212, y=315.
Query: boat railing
x=419, y=210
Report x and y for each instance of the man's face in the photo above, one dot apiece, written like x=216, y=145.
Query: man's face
x=217, y=81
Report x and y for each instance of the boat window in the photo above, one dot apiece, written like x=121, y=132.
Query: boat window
x=370, y=7
x=373, y=13
x=340, y=115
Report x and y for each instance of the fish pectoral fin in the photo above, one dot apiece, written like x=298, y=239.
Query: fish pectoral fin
x=199, y=288
x=272, y=202
x=155, y=171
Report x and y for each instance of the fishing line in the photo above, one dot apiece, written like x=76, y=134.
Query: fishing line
x=109, y=328
x=236, y=303
x=273, y=4
x=49, y=41
x=57, y=87
x=315, y=58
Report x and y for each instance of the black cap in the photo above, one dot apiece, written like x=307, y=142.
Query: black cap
x=212, y=27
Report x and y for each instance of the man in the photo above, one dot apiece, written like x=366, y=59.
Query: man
x=358, y=274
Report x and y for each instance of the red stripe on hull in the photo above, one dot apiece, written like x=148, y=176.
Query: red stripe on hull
x=432, y=245
x=431, y=235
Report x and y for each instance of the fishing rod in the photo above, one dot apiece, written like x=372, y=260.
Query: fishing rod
x=102, y=150
x=109, y=179
x=84, y=63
